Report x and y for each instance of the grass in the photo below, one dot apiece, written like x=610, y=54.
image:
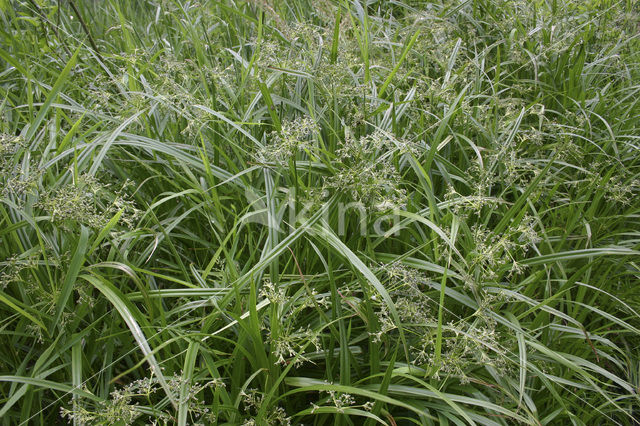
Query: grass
x=328, y=212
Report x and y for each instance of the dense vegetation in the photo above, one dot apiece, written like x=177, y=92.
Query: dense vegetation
x=320, y=212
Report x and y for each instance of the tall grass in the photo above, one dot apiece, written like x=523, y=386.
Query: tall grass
x=320, y=212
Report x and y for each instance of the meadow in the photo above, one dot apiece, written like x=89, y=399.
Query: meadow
x=320, y=212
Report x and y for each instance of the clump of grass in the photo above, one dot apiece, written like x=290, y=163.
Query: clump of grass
x=279, y=213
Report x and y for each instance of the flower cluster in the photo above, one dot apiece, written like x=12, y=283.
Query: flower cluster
x=340, y=401
x=467, y=343
x=492, y=253
x=9, y=145
x=366, y=171
x=123, y=406
x=292, y=344
x=88, y=202
x=294, y=137
x=252, y=401
x=12, y=267
x=407, y=288
x=16, y=179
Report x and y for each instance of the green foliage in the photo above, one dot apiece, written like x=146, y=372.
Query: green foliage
x=319, y=212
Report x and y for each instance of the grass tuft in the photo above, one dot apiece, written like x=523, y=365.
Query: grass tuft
x=322, y=212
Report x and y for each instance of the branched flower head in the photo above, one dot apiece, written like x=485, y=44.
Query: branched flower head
x=365, y=172
x=89, y=202
x=285, y=144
